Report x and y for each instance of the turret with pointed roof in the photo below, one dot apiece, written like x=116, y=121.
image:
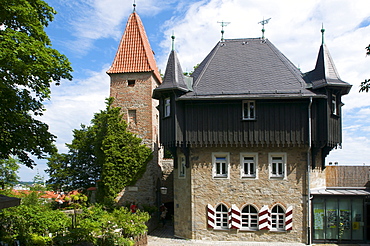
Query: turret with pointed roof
x=174, y=78
x=325, y=73
x=134, y=53
x=134, y=76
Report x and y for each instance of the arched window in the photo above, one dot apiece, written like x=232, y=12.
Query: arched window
x=277, y=218
x=249, y=218
x=221, y=217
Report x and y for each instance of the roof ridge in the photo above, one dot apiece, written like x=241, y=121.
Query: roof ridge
x=214, y=51
x=279, y=54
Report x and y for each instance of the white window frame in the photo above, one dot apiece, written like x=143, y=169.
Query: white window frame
x=182, y=167
x=277, y=219
x=167, y=107
x=273, y=166
x=334, y=104
x=254, y=157
x=220, y=170
x=247, y=218
x=221, y=218
x=249, y=113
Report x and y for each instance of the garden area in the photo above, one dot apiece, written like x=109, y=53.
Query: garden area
x=37, y=221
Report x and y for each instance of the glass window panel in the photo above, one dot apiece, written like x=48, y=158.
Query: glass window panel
x=318, y=219
x=358, y=220
x=331, y=219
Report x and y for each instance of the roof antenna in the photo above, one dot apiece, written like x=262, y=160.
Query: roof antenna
x=322, y=33
x=173, y=41
x=134, y=6
x=263, y=22
x=223, y=24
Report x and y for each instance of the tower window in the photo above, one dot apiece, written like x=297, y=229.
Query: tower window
x=334, y=104
x=132, y=117
x=131, y=82
x=167, y=107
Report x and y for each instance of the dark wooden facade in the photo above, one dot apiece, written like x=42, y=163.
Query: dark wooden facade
x=290, y=110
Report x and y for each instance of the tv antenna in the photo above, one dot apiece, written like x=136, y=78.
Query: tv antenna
x=223, y=24
x=263, y=22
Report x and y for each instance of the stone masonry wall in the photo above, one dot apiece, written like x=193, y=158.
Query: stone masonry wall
x=234, y=190
x=182, y=204
x=144, y=123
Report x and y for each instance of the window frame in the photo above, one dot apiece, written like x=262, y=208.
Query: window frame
x=221, y=175
x=221, y=217
x=278, y=218
x=334, y=104
x=132, y=117
x=182, y=167
x=248, y=116
x=254, y=155
x=249, y=214
x=271, y=165
x=167, y=107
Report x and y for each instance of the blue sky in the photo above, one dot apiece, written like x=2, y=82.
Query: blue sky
x=88, y=33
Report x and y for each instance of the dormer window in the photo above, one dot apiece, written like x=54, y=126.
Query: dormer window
x=167, y=107
x=249, y=110
x=334, y=104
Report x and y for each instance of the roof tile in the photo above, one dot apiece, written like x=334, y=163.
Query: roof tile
x=134, y=53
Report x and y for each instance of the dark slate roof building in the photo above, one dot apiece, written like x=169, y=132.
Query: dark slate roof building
x=245, y=131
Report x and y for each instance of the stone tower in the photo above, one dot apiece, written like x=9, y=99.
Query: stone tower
x=133, y=76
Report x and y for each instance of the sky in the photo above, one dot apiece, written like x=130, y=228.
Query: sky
x=88, y=33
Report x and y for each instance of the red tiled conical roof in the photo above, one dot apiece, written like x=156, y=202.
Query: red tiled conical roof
x=134, y=53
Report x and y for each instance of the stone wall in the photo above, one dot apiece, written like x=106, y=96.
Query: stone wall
x=137, y=98
x=200, y=188
x=317, y=178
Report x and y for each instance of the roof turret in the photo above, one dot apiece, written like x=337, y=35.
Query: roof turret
x=174, y=78
x=325, y=73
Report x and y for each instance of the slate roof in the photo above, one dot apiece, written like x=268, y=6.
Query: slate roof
x=134, y=53
x=247, y=68
x=325, y=72
x=174, y=78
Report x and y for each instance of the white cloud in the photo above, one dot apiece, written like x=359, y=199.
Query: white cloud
x=74, y=103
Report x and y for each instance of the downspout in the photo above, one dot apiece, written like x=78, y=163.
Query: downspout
x=309, y=173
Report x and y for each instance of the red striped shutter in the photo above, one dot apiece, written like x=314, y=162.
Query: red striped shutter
x=234, y=217
x=264, y=218
x=210, y=216
x=289, y=218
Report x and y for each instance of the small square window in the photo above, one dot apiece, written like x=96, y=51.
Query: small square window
x=277, y=165
x=167, y=107
x=249, y=110
x=182, y=167
x=131, y=82
x=220, y=165
x=248, y=165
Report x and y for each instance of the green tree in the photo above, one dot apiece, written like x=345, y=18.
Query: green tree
x=78, y=168
x=365, y=86
x=8, y=172
x=28, y=66
x=104, y=151
x=125, y=158
x=59, y=172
